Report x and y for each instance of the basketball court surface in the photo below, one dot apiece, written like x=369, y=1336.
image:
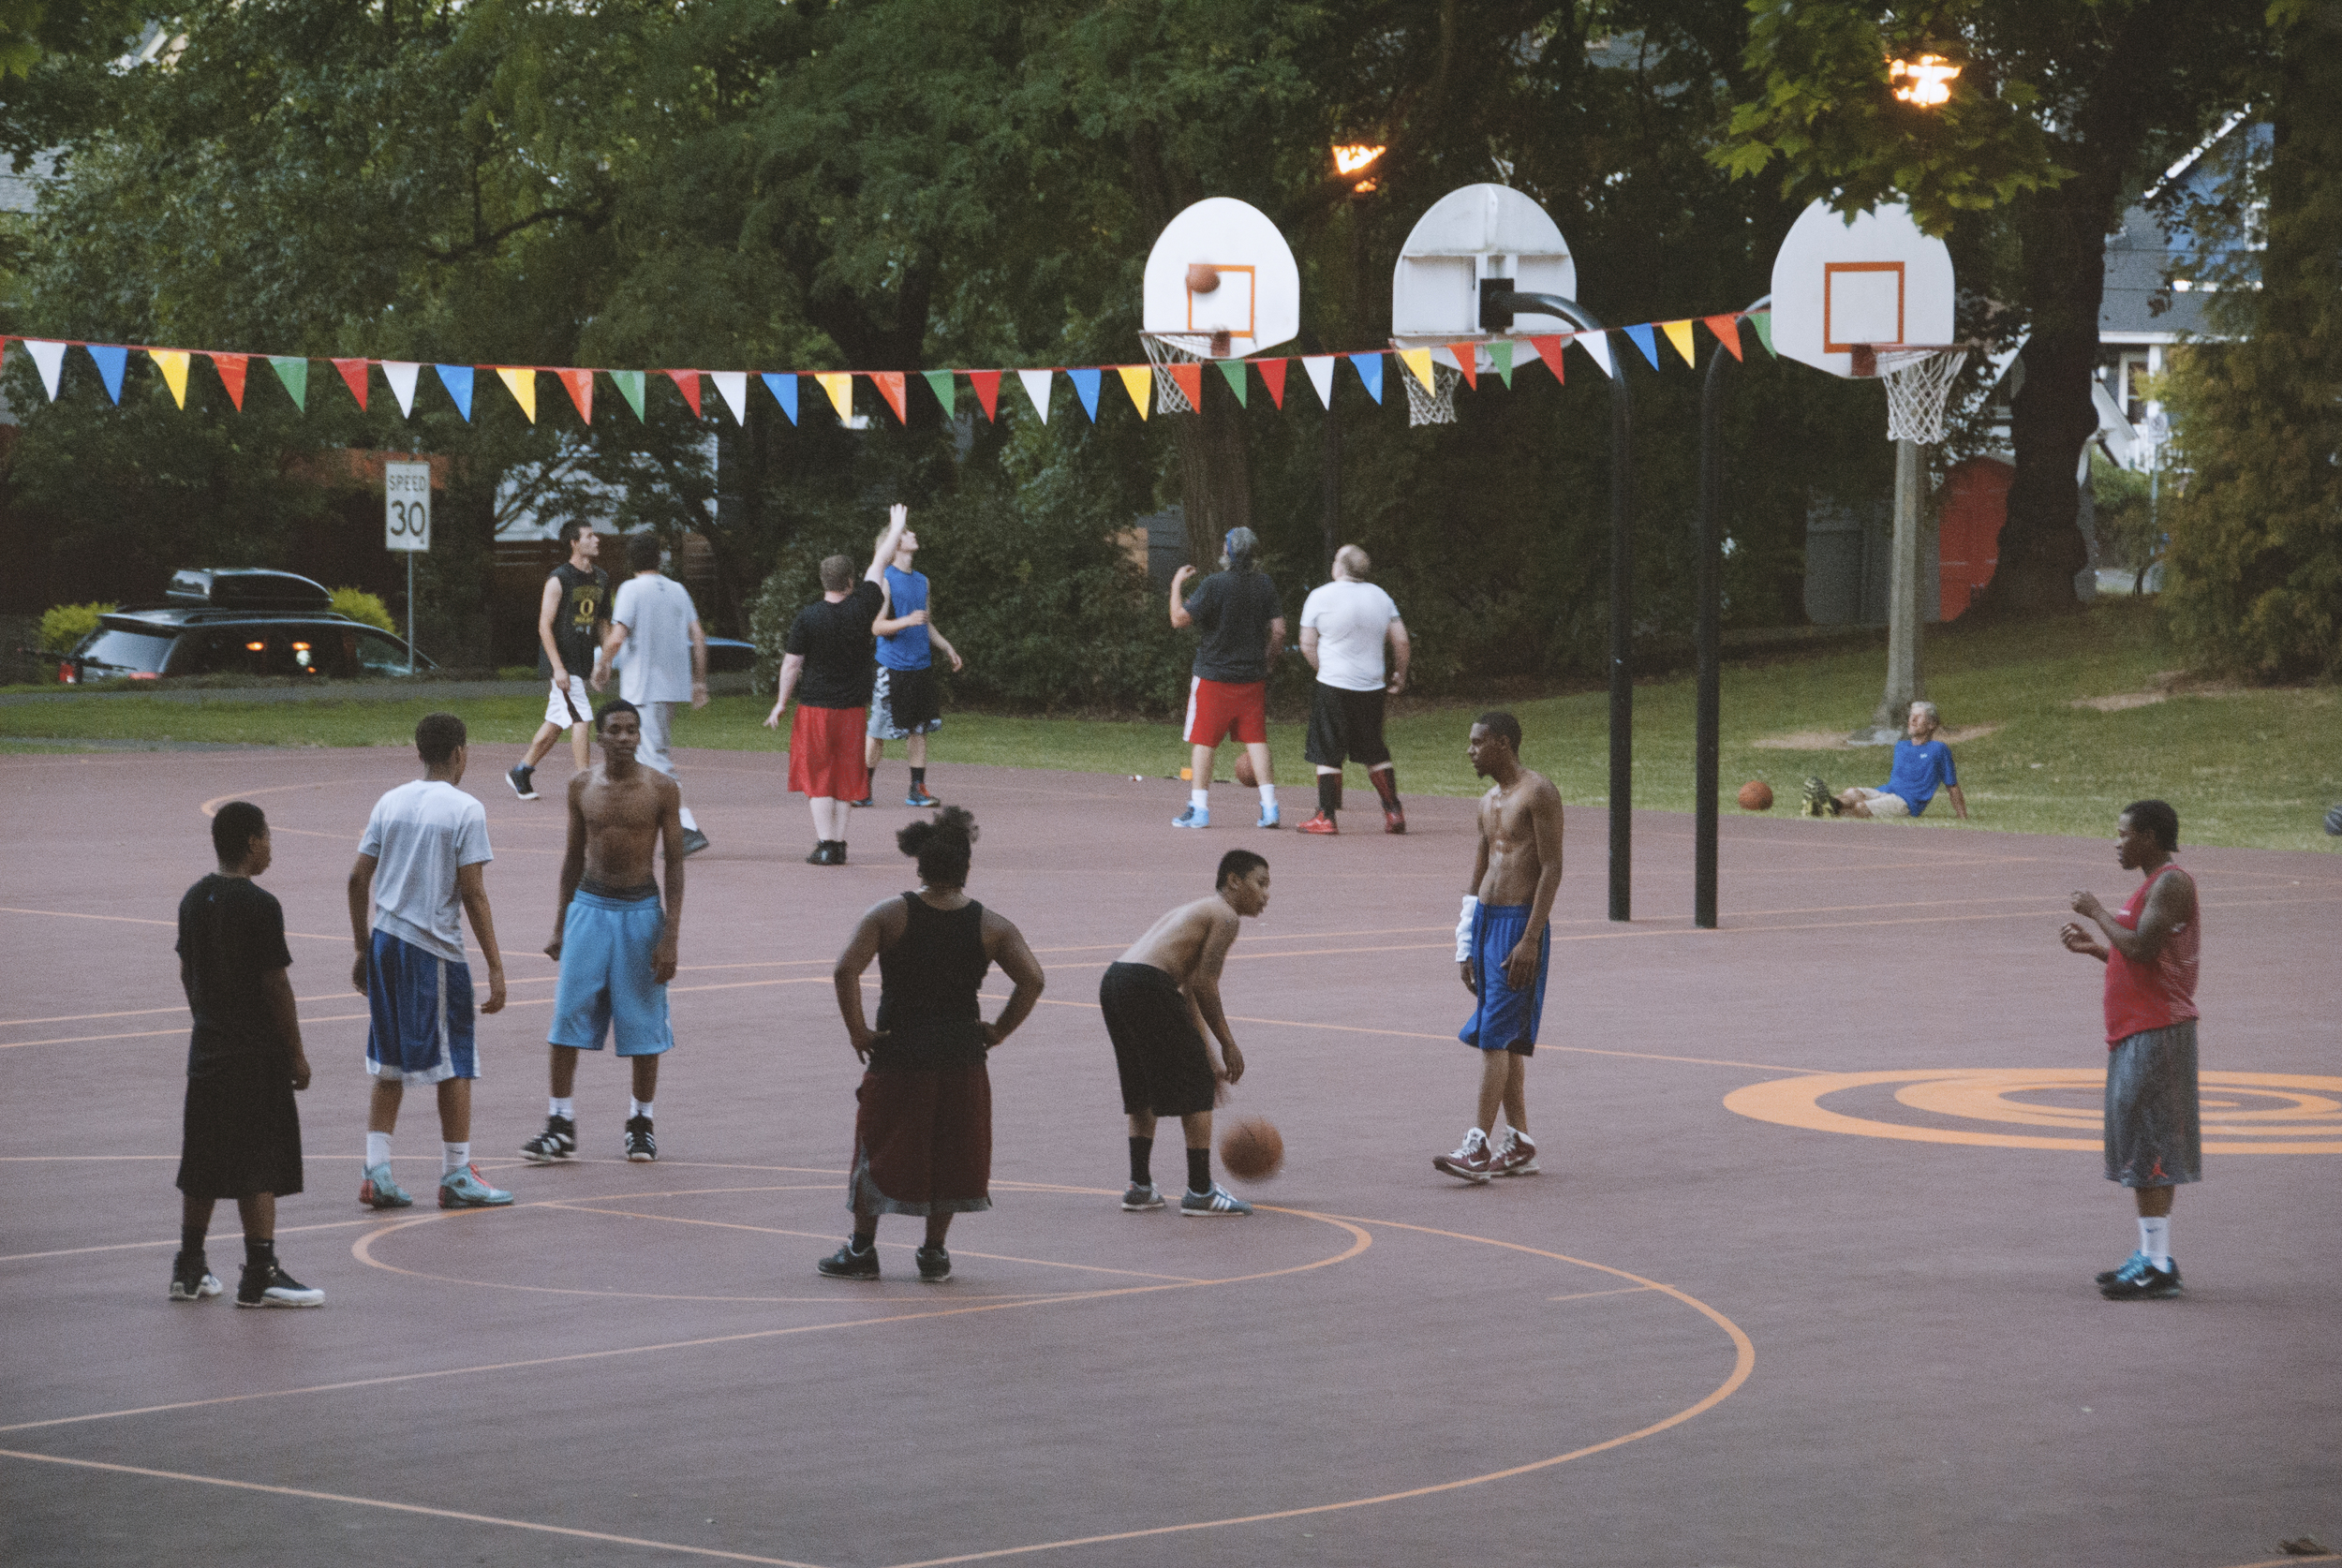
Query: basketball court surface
x=1805, y=1279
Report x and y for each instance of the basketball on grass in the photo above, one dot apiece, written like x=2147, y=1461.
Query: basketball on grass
x=1244, y=774
x=1755, y=795
x=1252, y=1149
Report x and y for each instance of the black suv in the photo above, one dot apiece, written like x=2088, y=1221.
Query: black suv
x=236, y=621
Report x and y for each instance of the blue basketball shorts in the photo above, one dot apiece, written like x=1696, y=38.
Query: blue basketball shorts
x=1503, y=1019
x=606, y=986
x=418, y=1008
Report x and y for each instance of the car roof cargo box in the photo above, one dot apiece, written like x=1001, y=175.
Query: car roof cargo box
x=246, y=588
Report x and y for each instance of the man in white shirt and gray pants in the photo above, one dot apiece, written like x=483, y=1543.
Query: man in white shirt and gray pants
x=661, y=654
x=1345, y=625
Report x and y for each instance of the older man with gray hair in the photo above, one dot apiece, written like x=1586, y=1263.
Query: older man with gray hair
x=1345, y=625
x=1922, y=766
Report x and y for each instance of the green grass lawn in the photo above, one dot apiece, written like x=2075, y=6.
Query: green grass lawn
x=2253, y=768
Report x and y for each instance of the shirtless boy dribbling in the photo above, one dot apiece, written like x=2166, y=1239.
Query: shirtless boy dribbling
x=1503, y=944
x=614, y=939
x=1162, y=1005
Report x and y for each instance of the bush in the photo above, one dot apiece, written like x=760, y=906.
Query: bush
x=64, y=626
x=360, y=605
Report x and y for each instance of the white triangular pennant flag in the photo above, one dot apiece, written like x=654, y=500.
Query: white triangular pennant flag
x=1037, y=388
x=1597, y=345
x=401, y=376
x=733, y=385
x=51, y=358
x=1321, y=369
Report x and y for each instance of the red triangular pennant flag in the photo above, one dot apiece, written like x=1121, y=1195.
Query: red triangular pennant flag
x=987, y=385
x=890, y=386
x=1272, y=375
x=581, y=386
x=1549, y=350
x=354, y=377
x=688, y=381
x=1727, y=331
x=1191, y=379
x=231, y=368
x=1467, y=361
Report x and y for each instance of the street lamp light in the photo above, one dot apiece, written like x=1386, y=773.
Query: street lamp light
x=1927, y=80
x=1355, y=158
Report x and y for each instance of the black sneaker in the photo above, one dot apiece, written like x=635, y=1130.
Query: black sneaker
x=865, y=800
x=2141, y=1280
x=694, y=842
x=558, y=1141
x=847, y=1264
x=640, y=1145
x=522, y=780
x=935, y=1264
x=2107, y=1276
x=191, y=1279
x=273, y=1287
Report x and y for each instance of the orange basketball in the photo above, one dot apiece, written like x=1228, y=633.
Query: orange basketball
x=1252, y=1149
x=1201, y=277
x=1755, y=795
x=1244, y=774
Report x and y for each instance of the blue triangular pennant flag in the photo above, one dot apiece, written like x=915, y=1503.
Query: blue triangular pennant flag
x=1648, y=341
x=1086, y=387
x=111, y=361
x=784, y=391
x=457, y=379
x=1370, y=369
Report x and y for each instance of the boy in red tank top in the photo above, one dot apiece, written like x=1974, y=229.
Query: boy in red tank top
x=2152, y=1142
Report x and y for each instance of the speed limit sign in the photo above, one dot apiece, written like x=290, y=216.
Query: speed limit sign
x=407, y=506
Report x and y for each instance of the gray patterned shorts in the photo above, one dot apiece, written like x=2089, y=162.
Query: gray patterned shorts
x=2152, y=1135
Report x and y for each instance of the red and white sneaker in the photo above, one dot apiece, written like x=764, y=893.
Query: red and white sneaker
x=1470, y=1162
x=1394, y=820
x=1319, y=823
x=1519, y=1157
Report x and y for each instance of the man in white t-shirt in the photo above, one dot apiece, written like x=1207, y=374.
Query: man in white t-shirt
x=421, y=862
x=661, y=654
x=1345, y=625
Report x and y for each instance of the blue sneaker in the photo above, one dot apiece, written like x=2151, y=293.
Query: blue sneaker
x=378, y=1191
x=1218, y=1203
x=463, y=1189
x=2127, y=1265
x=1268, y=817
x=1192, y=818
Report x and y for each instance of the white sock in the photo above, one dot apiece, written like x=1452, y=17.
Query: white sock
x=1199, y=799
x=453, y=1157
x=689, y=825
x=377, y=1148
x=641, y=1107
x=559, y=1105
x=2155, y=1240
x=1268, y=797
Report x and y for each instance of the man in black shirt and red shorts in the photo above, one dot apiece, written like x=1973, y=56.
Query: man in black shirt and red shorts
x=827, y=663
x=1243, y=631
x=573, y=617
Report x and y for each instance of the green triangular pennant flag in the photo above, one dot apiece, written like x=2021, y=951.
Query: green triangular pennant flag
x=1763, y=322
x=295, y=375
x=1502, y=352
x=940, y=380
x=630, y=384
x=1234, y=371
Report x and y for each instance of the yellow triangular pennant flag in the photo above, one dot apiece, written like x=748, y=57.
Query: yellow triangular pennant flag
x=174, y=363
x=522, y=384
x=839, y=385
x=1138, y=381
x=1418, y=360
x=1679, y=333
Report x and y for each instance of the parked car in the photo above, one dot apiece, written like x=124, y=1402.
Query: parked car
x=236, y=621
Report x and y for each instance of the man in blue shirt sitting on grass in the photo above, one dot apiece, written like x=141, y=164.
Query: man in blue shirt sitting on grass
x=1922, y=766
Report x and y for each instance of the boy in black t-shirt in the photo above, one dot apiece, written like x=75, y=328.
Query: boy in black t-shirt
x=241, y=1134
x=572, y=618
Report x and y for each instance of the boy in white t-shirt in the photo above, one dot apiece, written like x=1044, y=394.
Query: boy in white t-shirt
x=659, y=651
x=420, y=862
x=1345, y=625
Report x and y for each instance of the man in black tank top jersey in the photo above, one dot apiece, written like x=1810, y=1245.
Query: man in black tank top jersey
x=923, y=1135
x=572, y=616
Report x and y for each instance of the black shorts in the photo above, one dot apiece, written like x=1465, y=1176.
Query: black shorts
x=1345, y=726
x=905, y=702
x=241, y=1134
x=1165, y=1071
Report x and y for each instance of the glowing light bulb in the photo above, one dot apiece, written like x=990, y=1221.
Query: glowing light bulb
x=1927, y=80
x=1351, y=159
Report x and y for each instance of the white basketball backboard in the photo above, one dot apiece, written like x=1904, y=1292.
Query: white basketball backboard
x=1478, y=232
x=1256, y=296
x=1876, y=281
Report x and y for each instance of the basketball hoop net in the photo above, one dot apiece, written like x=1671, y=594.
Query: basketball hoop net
x=1436, y=406
x=1918, y=379
x=1164, y=349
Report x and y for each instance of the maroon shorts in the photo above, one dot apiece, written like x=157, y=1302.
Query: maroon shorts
x=825, y=753
x=1217, y=709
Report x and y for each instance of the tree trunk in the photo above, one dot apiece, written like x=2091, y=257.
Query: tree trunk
x=1215, y=478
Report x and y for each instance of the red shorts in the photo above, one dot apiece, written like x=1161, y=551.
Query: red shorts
x=1217, y=709
x=825, y=753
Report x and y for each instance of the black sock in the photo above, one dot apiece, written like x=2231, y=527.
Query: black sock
x=191, y=1241
x=1329, y=793
x=918, y=781
x=1199, y=1170
x=864, y=1240
x=1142, y=1155
x=259, y=1254
x=1385, y=782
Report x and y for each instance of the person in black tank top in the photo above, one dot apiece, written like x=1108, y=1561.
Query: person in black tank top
x=923, y=1135
x=572, y=616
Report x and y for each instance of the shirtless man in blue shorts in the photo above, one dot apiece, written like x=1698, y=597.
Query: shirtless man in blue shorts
x=1502, y=945
x=614, y=939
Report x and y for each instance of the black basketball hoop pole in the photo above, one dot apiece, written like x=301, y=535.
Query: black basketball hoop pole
x=1707, y=636
x=1498, y=306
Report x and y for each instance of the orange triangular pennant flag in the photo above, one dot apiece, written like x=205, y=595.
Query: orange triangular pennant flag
x=581, y=386
x=231, y=368
x=688, y=381
x=890, y=386
x=1191, y=379
x=1272, y=375
x=987, y=385
x=1467, y=360
x=354, y=375
x=1549, y=350
x=1727, y=331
